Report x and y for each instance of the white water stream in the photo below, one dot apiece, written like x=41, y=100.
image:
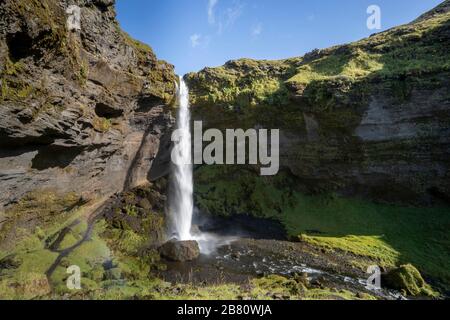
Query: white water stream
x=182, y=204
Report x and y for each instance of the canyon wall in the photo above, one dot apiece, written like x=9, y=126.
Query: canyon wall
x=367, y=119
x=81, y=111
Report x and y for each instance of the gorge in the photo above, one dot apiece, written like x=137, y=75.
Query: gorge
x=90, y=176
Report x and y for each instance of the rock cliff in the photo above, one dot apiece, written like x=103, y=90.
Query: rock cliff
x=364, y=144
x=85, y=122
x=81, y=111
x=369, y=118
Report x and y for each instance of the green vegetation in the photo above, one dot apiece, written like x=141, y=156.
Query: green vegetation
x=407, y=51
x=118, y=253
x=13, y=88
x=161, y=80
x=38, y=210
x=101, y=124
x=387, y=234
x=144, y=51
x=408, y=280
x=32, y=225
x=242, y=83
x=268, y=288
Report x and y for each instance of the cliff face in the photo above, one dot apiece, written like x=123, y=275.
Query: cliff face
x=369, y=118
x=83, y=115
x=81, y=112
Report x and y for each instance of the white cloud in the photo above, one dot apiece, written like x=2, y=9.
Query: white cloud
x=257, y=30
x=211, y=14
x=195, y=40
x=230, y=16
x=233, y=13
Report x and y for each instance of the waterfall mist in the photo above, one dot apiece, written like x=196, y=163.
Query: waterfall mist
x=181, y=204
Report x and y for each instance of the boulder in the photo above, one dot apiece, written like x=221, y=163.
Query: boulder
x=408, y=280
x=145, y=204
x=180, y=250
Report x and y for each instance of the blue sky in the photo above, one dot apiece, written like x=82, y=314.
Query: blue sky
x=193, y=34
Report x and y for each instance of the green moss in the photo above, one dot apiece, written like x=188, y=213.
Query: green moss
x=410, y=50
x=27, y=279
x=408, y=280
x=74, y=235
x=328, y=294
x=243, y=83
x=84, y=73
x=161, y=78
x=353, y=65
x=374, y=247
x=50, y=19
x=12, y=86
x=127, y=241
x=89, y=256
x=272, y=287
x=101, y=124
x=45, y=209
x=26, y=286
x=143, y=50
x=131, y=210
x=388, y=235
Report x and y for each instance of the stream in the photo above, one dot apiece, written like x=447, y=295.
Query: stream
x=244, y=254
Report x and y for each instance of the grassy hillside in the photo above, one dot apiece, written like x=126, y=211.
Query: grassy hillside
x=377, y=194
x=410, y=50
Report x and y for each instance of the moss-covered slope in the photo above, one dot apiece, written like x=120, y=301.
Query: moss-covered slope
x=368, y=118
x=364, y=145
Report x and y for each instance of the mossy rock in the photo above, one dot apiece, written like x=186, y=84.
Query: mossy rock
x=113, y=274
x=408, y=280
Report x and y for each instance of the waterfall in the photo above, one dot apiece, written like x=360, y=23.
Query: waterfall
x=182, y=204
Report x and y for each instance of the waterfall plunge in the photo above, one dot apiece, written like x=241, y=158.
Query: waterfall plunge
x=182, y=204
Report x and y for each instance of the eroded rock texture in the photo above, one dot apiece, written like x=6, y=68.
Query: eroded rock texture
x=80, y=111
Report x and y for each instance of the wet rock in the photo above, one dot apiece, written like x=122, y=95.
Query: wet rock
x=302, y=279
x=180, y=250
x=236, y=256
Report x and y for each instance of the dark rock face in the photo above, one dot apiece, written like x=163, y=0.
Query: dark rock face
x=80, y=111
x=141, y=211
x=180, y=251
